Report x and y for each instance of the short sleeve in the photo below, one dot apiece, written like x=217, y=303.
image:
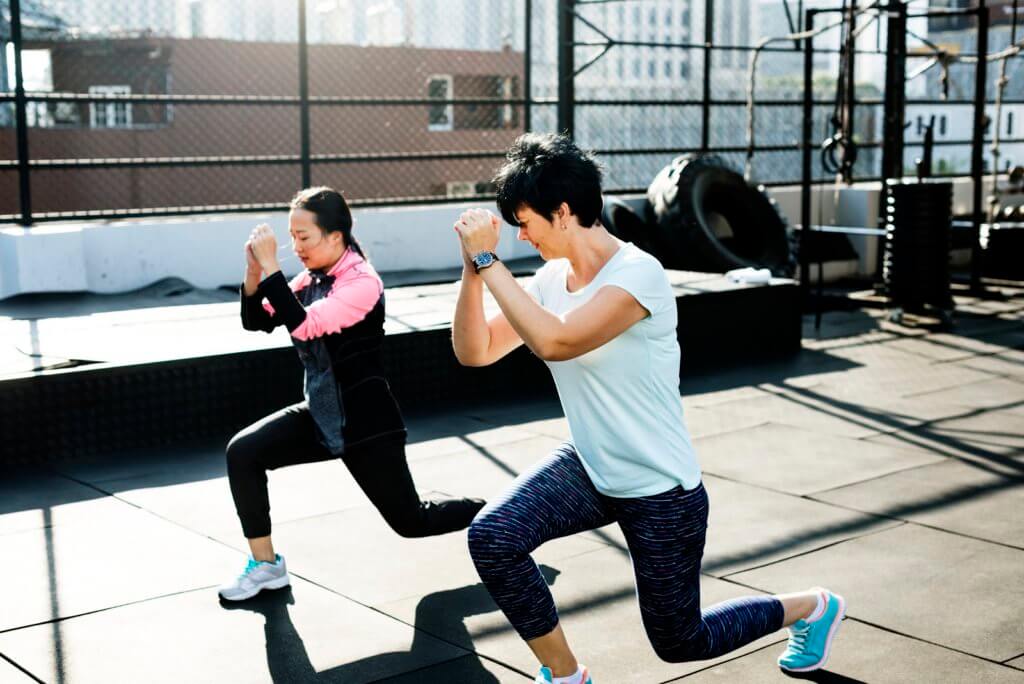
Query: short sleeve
x=643, y=277
x=537, y=284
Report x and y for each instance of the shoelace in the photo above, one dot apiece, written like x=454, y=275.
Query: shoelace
x=249, y=567
x=798, y=638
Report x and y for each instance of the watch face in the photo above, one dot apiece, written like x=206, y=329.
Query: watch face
x=483, y=259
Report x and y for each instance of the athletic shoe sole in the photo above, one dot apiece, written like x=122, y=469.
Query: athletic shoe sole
x=279, y=583
x=832, y=631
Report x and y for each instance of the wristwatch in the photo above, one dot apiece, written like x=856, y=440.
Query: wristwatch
x=483, y=260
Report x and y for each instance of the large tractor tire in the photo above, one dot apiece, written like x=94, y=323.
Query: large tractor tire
x=707, y=218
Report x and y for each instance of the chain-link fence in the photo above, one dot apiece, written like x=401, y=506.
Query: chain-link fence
x=159, y=107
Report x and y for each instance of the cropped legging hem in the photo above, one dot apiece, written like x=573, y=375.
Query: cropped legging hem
x=665, y=537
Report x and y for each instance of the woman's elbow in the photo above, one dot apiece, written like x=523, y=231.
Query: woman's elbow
x=554, y=350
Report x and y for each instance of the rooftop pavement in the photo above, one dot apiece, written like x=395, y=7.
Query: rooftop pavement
x=885, y=462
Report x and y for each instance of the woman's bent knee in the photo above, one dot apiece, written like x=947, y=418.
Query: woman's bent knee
x=490, y=539
x=678, y=650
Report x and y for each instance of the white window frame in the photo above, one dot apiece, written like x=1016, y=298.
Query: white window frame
x=449, y=109
x=109, y=109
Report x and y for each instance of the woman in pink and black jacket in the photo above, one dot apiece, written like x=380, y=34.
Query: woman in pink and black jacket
x=334, y=311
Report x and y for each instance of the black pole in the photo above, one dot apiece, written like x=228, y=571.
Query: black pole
x=895, y=97
x=894, y=111
x=527, y=63
x=977, y=142
x=851, y=80
x=21, y=118
x=805, y=182
x=705, y=108
x=566, y=67
x=304, y=96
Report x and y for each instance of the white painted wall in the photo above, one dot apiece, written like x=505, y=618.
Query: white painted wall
x=206, y=251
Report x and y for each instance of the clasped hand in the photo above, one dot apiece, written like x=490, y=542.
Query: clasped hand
x=478, y=231
x=261, y=250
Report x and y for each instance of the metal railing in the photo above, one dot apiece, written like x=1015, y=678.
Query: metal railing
x=382, y=162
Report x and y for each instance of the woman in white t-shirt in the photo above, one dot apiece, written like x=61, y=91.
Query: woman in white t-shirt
x=602, y=315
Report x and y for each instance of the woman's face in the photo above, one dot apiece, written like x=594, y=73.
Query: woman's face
x=314, y=248
x=541, y=232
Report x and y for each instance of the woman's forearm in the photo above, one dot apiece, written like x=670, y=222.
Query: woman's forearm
x=538, y=327
x=251, y=283
x=470, y=336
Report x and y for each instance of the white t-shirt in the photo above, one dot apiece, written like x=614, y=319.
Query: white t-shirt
x=622, y=399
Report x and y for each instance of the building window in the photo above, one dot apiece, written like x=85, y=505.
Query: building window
x=110, y=114
x=441, y=115
x=668, y=69
x=636, y=68
x=650, y=68
x=652, y=17
x=1009, y=123
x=684, y=18
x=684, y=70
x=621, y=68
x=507, y=91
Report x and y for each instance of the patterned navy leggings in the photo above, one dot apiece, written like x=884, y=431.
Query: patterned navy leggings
x=665, y=535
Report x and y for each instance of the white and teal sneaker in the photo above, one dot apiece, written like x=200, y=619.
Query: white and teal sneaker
x=811, y=642
x=545, y=676
x=257, y=576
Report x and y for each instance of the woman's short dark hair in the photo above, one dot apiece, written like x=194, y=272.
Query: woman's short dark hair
x=543, y=170
x=330, y=210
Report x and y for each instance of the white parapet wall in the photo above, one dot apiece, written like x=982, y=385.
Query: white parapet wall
x=206, y=251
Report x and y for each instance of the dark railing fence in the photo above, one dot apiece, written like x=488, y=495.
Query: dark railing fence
x=151, y=123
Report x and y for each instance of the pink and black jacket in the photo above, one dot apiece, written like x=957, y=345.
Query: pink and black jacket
x=336, y=321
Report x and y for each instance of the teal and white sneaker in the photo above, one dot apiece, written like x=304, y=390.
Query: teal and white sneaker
x=257, y=576
x=811, y=642
x=545, y=676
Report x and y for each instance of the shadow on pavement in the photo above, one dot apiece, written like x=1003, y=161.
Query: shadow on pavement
x=439, y=616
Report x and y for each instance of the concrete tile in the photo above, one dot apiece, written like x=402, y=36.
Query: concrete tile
x=31, y=501
x=989, y=394
x=9, y=673
x=945, y=346
x=597, y=607
x=813, y=415
x=863, y=653
x=302, y=634
x=704, y=421
x=792, y=460
x=952, y=496
x=483, y=471
x=909, y=376
x=189, y=461
x=296, y=492
x=1000, y=364
x=977, y=436
x=466, y=670
x=71, y=569
x=355, y=553
x=749, y=526
x=947, y=589
x=866, y=402
x=465, y=433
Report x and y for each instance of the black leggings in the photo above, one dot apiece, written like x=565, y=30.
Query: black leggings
x=288, y=437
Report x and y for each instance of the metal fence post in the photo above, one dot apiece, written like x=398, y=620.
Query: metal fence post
x=977, y=143
x=705, y=107
x=304, y=95
x=527, y=63
x=566, y=67
x=21, y=118
x=805, y=153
